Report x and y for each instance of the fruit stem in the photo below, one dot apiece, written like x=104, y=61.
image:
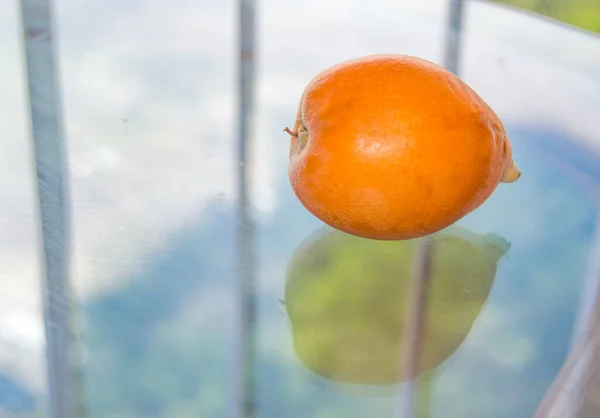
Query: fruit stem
x=289, y=131
x=511, y=173
x=301, y=134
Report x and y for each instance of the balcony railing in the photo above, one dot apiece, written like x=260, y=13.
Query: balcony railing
x=574, y=392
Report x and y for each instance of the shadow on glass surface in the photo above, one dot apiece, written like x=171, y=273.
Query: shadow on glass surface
x=149, y=93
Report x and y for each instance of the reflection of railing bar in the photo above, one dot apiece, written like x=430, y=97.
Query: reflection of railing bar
x=453, y=36
x=588, y=386
x=576, y=383
x=574, y=392
x=242, y=387
x=591, y=289
x=415, y=323
x=417, y=303
x=52, y=191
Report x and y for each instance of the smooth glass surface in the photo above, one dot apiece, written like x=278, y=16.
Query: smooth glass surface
x=149, y=90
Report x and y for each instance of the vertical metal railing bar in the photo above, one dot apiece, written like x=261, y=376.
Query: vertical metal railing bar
x=453, y=36
x=586, y=321
x=574, y=389
x=414, y=331
x=242, y=396
x=590, y=290
x=420, y=283
x=587, y=328
x=588, y=384
x=49, y=149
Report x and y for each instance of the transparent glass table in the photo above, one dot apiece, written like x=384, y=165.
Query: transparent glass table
x=176, y=275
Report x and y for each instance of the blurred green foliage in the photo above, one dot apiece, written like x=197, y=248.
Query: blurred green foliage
x=581, y=13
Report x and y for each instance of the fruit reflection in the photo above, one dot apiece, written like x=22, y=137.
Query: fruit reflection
x=346, y=298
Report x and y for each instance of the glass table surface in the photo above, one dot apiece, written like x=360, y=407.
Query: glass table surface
x=149, y=111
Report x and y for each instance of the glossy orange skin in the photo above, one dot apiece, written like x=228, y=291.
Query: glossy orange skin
x=397, y=148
